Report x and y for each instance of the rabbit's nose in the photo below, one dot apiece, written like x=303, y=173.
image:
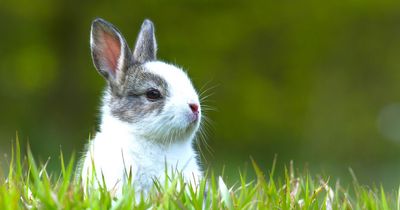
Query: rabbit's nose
x=194, y=107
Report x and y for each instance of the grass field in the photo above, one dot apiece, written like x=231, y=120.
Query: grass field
x=28, y=185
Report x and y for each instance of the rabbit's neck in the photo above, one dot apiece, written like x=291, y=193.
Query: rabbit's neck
x=120, y=136
x=110, y=124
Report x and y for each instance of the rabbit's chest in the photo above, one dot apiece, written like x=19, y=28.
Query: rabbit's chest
x=149, y=162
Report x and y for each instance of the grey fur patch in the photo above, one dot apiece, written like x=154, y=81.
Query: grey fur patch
x=128, y=102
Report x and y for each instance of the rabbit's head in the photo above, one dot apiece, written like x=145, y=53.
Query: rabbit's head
x=157, y=100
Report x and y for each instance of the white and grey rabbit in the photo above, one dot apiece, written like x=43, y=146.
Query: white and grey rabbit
x=149, y=117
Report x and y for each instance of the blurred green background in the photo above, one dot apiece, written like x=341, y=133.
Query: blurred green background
x=312, y=81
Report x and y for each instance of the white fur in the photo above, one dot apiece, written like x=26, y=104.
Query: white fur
x=120, y=146
x=180, y=88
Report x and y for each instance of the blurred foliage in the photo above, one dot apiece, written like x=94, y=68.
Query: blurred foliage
x=313, y=81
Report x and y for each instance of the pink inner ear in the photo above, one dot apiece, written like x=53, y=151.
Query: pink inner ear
x=112, y=51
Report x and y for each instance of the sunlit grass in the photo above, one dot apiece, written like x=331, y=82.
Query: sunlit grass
x=28, y=185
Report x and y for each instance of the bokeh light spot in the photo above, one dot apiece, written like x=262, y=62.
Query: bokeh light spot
x=389, y=122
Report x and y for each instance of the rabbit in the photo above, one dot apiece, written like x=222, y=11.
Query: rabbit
x=150, y=114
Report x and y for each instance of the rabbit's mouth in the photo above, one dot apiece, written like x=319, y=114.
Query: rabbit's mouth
x=188, y=128
x=193, y=120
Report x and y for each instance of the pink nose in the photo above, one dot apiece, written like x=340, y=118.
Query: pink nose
x=194, y=108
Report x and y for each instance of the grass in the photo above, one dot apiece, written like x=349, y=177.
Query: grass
x=28, y=185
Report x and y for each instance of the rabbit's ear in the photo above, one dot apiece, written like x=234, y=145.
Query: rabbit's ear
x=110, y=53
x=146, y=46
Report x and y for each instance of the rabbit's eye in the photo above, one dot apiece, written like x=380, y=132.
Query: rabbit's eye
x=153, y=94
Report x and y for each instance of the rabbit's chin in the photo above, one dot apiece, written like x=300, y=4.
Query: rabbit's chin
x=170, y=134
